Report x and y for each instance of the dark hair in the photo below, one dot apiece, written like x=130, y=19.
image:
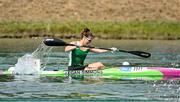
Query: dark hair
x=86, y=32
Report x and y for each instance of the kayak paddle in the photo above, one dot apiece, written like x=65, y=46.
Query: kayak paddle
x=58, y=42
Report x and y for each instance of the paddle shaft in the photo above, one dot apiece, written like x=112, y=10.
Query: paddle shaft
x=138, y=53
x=58, y=42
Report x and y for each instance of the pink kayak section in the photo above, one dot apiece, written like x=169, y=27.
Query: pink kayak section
x=167, y=72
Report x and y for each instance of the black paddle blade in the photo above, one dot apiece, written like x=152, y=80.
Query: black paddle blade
x=140, y=53
x=54, y=42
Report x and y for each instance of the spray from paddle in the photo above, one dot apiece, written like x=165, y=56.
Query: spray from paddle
x=32, y=63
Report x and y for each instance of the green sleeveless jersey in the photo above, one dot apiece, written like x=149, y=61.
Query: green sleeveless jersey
x=77, y=57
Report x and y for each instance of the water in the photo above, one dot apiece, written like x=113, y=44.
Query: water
x=35, y=88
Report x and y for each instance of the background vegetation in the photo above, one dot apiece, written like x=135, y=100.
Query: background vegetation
x=108, y=19
x=113, y=30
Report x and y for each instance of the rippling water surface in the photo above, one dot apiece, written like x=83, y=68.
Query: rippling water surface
x=34, y=88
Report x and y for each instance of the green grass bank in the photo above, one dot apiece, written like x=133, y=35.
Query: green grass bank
x=105, y=30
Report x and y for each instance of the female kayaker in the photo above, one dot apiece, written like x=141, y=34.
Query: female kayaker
x=78, y=54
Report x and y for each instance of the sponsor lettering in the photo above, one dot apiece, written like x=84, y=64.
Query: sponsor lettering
x=49, y=39
x=83, y=72
x=131, y=69
x=138, y=68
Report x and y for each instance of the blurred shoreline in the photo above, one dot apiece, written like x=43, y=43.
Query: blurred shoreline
x=107, y=19
x=135, y=30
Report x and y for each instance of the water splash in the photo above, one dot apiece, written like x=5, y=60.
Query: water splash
x=32, y=63
x=42, y=53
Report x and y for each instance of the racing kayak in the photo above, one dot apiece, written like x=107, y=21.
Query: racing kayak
x=142, y=73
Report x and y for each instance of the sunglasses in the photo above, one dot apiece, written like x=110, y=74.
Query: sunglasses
x=89, y=39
